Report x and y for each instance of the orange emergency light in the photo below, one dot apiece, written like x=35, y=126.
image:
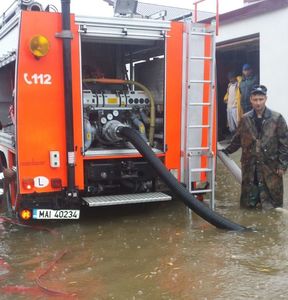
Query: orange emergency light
x=26, y=214
x=39, y=46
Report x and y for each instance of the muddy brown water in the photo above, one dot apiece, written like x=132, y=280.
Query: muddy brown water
x=152, y=251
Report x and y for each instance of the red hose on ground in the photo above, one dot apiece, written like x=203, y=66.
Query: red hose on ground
x=40, y=288
x=35, y=227
x=49, y=291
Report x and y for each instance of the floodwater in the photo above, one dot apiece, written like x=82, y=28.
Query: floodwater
x=152, y=251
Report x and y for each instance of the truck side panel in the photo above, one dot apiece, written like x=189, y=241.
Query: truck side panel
x=174, y=96
x=40, y=103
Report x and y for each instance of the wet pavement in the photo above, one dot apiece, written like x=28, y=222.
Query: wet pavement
x=151, y=251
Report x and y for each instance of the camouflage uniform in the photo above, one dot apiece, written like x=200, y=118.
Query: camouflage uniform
x=262, y=155
x=246, y=85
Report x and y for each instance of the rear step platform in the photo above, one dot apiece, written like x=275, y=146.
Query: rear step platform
x=126, y=199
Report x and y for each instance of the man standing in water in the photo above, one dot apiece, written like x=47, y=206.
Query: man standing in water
x=263, y=136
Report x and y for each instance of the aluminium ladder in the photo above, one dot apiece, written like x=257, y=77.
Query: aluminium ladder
x=198, y=107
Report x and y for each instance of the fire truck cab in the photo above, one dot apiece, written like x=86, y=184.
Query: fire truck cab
x=60, y=109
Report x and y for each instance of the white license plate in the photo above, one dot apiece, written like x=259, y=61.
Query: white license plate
x=63, y=214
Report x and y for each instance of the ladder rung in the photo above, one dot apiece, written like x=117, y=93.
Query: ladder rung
x=200, y=104
x=199, y=170
x=201, y=57
x=200, y=33
x=198, y=126
x=201, y=81
x=198, y=148
x=200, y=191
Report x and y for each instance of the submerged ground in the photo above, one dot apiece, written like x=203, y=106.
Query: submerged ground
x=155, y=251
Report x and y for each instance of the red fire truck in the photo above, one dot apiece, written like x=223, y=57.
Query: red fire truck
x=92, y=108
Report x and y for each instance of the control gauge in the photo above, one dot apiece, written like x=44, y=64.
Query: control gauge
x=115, y=113
x=103, y=120
x=110, y=117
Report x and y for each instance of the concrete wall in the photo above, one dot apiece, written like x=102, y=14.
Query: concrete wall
x=273, y=30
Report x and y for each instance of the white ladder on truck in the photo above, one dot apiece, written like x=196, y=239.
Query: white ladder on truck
x=198, y=107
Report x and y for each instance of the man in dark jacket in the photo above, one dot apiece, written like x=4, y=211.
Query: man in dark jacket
x=263, y=136
x=248, y=81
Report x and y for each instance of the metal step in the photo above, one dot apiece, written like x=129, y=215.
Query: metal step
x=198, y=170
x=200, y=33
x=201, y=57
x=198, y=126
x=200, y=103
x=198, y=149
x=126, y=199
x=200, y=81
x=201, y=191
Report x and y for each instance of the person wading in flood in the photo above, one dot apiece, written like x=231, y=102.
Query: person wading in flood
x=263, y=136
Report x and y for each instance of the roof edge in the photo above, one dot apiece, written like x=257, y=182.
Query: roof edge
x=249, y=11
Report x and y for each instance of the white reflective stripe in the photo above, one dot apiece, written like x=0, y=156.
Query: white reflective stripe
x=1, y=175
x=71, y=158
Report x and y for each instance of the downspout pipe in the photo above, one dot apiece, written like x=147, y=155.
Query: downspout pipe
x=66, y=36
x=231, y=166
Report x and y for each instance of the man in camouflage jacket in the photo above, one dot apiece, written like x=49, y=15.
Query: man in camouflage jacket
x=263, y=136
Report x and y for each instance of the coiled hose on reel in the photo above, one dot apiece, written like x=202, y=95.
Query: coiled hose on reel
x=180, y=191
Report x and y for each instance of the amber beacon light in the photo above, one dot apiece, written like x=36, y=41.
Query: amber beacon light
x=26, y=214
x=39, y=46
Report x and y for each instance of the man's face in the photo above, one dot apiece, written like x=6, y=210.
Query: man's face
x=247, y=72
x=258, y=102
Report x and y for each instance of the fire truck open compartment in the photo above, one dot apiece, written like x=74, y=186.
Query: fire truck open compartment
x=138, y=60
x=231, y=55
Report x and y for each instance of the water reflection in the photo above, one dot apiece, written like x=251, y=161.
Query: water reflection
x=156, y=251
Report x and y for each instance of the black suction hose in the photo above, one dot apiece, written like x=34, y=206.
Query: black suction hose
x=199, y=208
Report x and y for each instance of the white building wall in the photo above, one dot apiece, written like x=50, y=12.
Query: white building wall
x=273, y=30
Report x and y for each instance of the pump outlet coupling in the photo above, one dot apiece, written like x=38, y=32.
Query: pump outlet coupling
x=110, y=131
